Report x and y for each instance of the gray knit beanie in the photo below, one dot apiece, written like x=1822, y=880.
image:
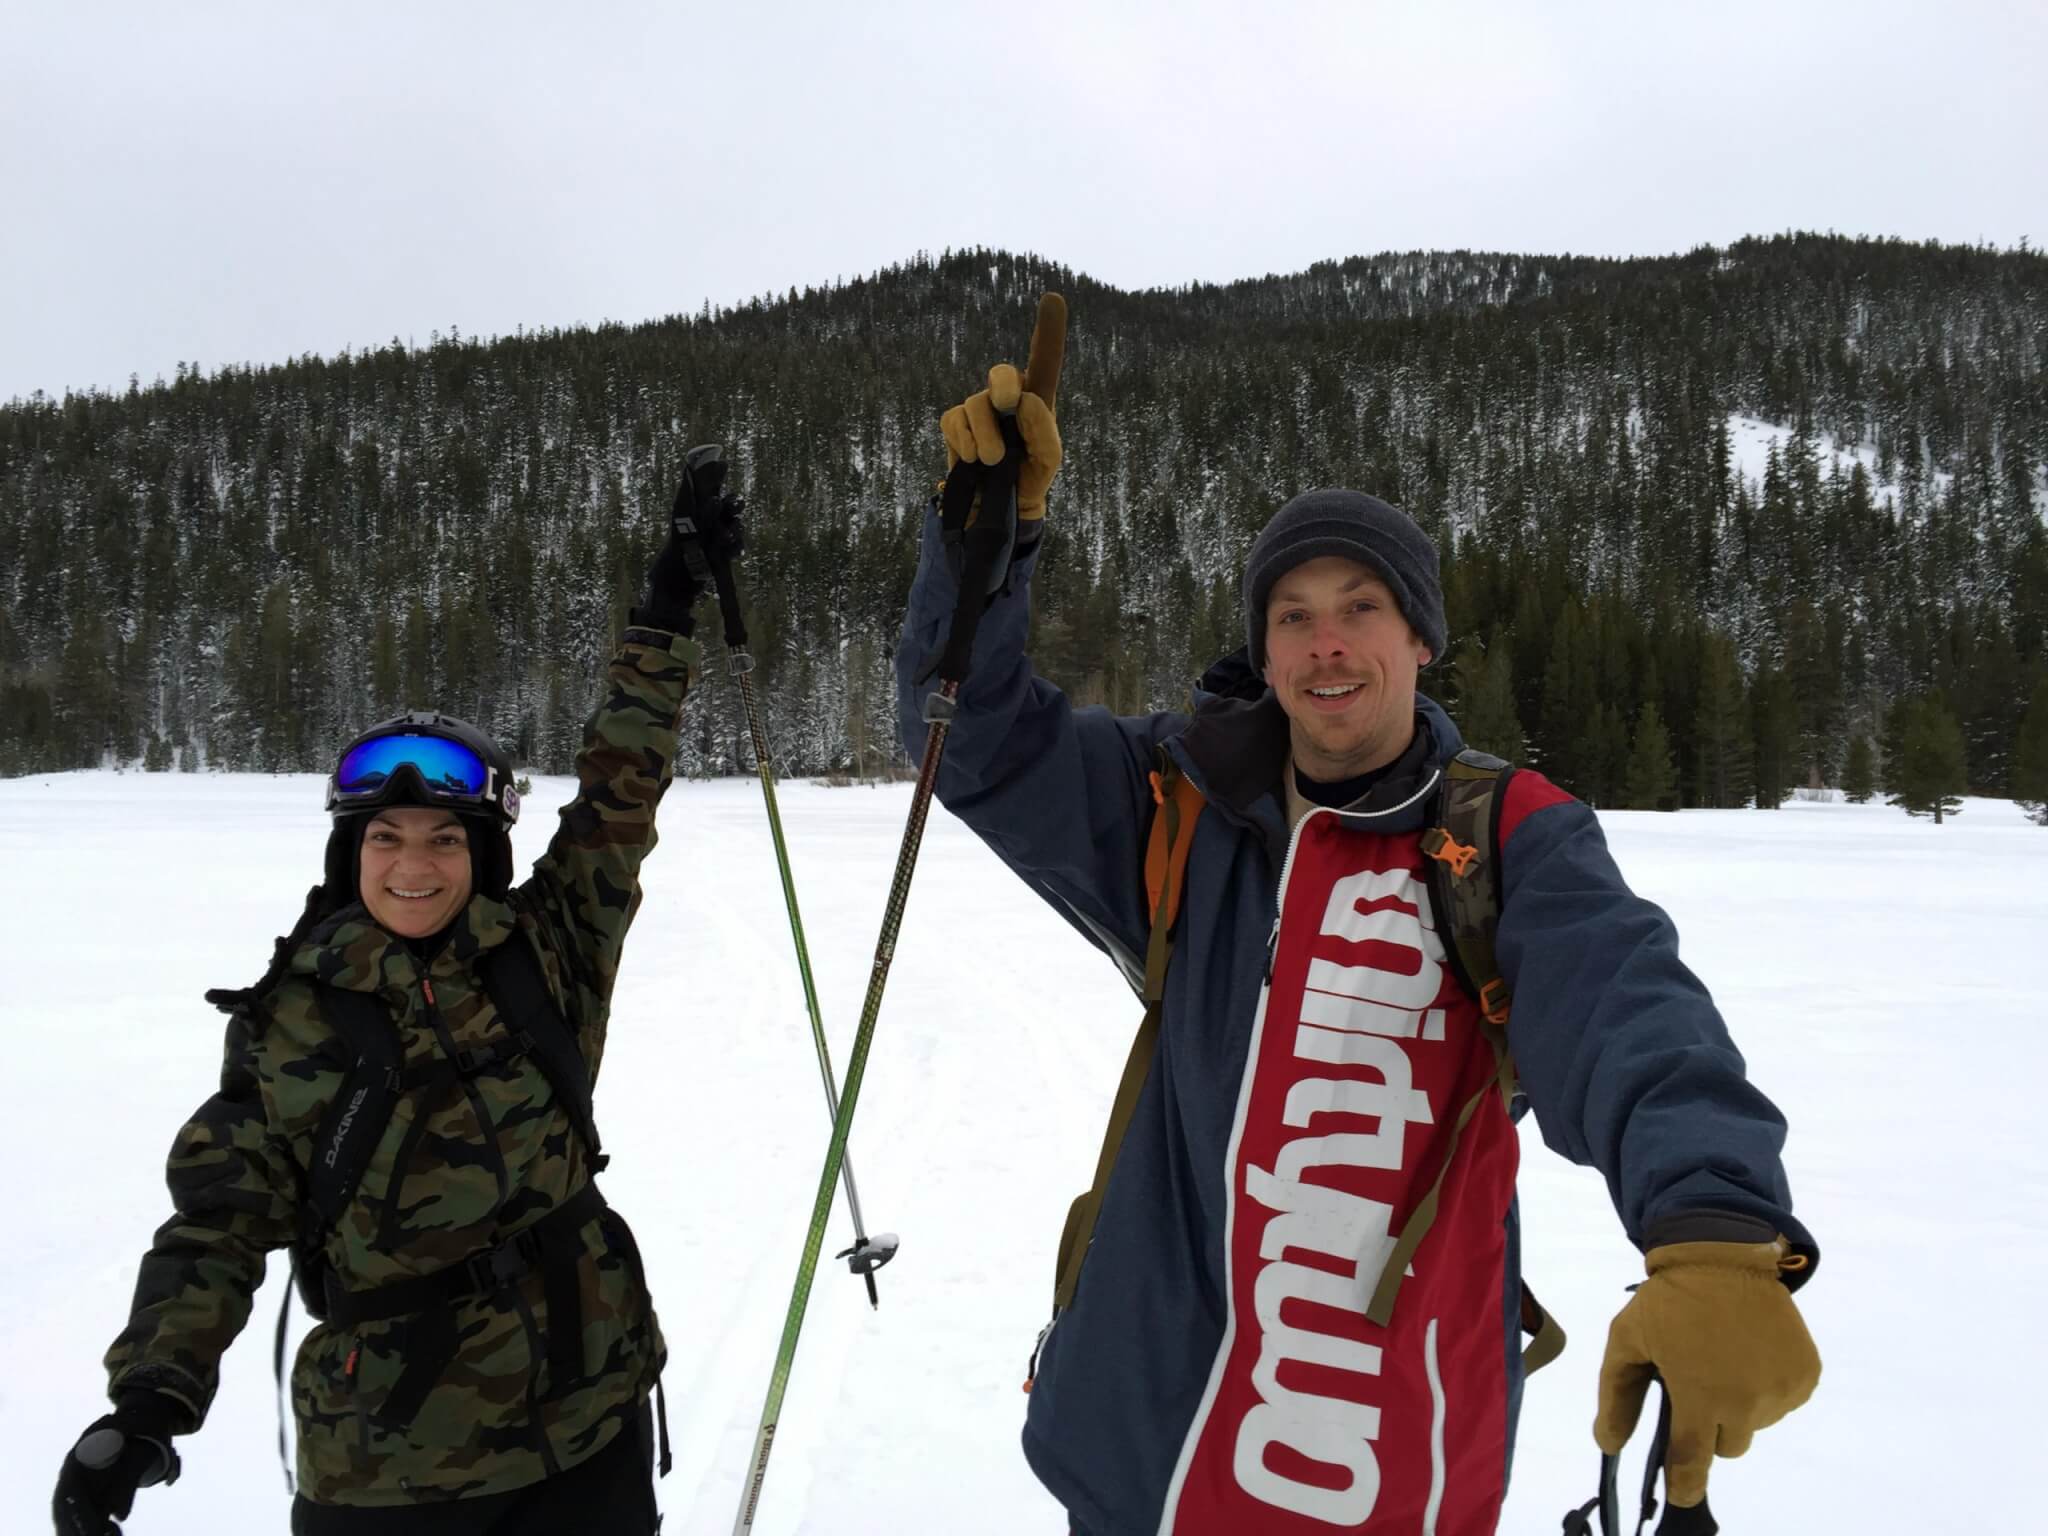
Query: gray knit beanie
x=1362, y=527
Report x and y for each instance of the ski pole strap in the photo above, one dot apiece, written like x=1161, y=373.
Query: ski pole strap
x=716, y=574
x=729, y=604
x=668, y=1459
x=284, y=1312
x=978, y=545
x=1688, y=1520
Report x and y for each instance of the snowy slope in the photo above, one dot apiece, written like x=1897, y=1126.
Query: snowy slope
x=1847, y=944
x=1751, y=440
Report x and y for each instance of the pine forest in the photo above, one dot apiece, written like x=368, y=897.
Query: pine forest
x=1717, y=527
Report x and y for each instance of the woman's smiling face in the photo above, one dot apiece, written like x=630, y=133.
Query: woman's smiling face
x=415, y=870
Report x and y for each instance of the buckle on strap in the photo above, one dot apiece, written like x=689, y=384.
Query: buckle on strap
x=501, y=1268
x=1438, y=843
x=1494, y=1001
x=474, y=1060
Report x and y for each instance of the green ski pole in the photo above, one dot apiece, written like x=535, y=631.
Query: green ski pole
x=867, y=1254
x=856, y=1069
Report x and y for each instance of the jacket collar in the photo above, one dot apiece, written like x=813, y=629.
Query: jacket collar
x=348, y=950
x=1236, y=751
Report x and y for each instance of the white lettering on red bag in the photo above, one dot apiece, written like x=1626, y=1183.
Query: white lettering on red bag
x=1316, y=1419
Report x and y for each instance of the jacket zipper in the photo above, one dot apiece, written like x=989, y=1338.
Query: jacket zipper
x=485, y=1128
x=1294, y=842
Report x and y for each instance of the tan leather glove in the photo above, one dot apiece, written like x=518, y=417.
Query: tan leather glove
x=973, y=429
x=1718, y=1325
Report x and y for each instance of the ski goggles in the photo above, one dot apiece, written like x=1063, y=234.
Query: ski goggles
x=445, y=770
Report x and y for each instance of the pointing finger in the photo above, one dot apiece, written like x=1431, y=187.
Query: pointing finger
x=1048, y=350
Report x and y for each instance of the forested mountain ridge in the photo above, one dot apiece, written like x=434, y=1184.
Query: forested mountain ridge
x=239, y=570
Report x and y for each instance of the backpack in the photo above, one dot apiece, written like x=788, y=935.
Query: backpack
x=1463, y=872
x=353, y=1124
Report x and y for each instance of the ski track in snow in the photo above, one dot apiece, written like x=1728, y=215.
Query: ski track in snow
x=1853, y=950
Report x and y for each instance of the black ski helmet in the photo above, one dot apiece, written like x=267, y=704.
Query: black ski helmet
x=488, y=804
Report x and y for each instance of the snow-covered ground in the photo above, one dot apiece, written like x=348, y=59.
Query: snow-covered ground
x=1873, y=968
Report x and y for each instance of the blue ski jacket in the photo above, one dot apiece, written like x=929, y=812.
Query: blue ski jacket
x=1622, y=1056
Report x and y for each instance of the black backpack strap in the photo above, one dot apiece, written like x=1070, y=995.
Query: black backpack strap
x=354, y=1120
x=551, y=1246
x=349, y=1131
x=251, y=1003
x=518, y=989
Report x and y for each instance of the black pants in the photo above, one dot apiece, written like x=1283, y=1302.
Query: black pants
x=611, y=1494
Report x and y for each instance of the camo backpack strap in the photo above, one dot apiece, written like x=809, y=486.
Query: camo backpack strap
x=1464, y=884
x=1463, y=868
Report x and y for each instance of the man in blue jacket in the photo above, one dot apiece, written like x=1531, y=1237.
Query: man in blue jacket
x=1216, y=1373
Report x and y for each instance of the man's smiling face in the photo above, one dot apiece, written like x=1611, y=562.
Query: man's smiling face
x=1342, y=661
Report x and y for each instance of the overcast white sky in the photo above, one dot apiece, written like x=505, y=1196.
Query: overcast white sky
x=221, y=183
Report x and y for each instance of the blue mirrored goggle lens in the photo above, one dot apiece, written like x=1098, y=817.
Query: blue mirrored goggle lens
x=445, y=767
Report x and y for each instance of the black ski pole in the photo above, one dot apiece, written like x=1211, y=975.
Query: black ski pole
x=867, y=1254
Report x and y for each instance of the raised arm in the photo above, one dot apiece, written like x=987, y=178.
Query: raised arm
x=585, y=889
x=1062, y=795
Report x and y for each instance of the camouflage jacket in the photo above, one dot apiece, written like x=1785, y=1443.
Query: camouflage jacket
x=441, y=1185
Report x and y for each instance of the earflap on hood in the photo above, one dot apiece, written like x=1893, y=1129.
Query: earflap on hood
x=1231, y=677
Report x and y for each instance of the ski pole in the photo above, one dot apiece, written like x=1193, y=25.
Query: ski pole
x=1689, y=1520
x=867, y=1254
x=984, y=549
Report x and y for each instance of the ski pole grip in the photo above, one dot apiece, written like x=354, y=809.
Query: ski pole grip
x=100, y=1449
x=708, y=460
x=985, y=547
x=103, y=1447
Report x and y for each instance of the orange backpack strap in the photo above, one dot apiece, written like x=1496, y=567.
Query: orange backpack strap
x=1176, y=804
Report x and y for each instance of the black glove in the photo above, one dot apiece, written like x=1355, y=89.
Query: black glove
x=704, y=539
x=127, y=1449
